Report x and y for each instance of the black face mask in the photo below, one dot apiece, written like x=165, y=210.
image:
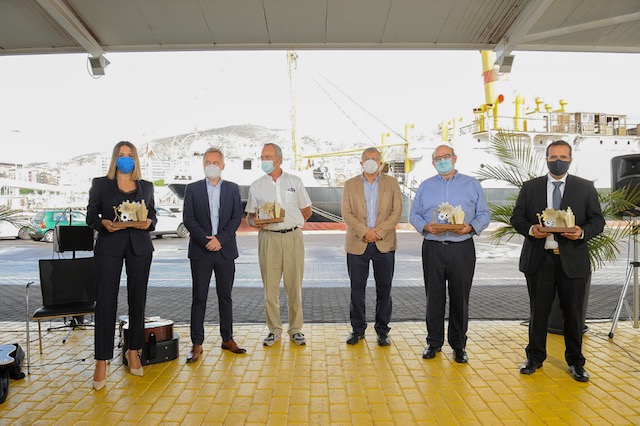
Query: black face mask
x=558, y=167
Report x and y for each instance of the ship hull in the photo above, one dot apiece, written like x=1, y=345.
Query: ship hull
x=326, y=200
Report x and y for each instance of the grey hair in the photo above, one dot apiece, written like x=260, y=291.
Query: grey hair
x=276, y=147
x=370, y=150
x=213, y=149
x=433, y=154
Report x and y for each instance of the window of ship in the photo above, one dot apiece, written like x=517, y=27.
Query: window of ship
x=246, y=165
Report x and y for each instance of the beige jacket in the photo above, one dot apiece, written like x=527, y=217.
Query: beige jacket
x=354, y=213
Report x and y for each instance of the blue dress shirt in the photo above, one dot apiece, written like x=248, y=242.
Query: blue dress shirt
x=459, y=190
x=371, y=198
x=214, y=205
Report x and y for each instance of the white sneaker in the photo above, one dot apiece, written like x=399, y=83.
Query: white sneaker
x=270, y=339
x=298, y=339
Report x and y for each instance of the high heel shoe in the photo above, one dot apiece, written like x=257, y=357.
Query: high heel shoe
x=99, y=384
x=135, y=371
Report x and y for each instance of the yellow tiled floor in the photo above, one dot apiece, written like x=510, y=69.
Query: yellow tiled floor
x=329, y=382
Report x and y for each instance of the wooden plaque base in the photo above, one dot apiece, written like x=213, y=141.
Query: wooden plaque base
x=266, y=221
x=131, y=224
x=556, y=230
x=447, y=227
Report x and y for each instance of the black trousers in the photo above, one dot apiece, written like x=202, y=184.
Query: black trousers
x=452, y=263
x=108, y=272
x=201, y=271
x=542, y=287
x=358, y=269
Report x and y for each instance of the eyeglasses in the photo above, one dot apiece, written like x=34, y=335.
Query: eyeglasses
x=443, y=157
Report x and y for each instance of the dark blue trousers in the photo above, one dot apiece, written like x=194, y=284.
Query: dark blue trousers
x=571, y=293
x=358, y=268
x=201, y=271
x=108, y=272
x=453, y=264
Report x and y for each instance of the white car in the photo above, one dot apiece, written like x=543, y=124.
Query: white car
x=169, y=223
x=9, y=229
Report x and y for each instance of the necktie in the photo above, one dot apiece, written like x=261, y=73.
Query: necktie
x=557, y=195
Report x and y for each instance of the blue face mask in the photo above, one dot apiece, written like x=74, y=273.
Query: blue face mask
x=444, y=166
x=125, y=165
x=267, y=166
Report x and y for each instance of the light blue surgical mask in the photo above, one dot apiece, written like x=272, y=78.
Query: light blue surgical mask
x=267, y=166
x=444, y=166
x=125, y=165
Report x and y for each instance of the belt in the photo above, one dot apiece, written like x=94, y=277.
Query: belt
x=282, y=231
x=553, y=251
x=447, y=242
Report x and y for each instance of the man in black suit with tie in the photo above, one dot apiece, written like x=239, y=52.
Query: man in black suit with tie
x=212, y=214
x=557, y=263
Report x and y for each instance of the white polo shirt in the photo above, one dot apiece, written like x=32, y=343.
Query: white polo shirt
x=287, y=190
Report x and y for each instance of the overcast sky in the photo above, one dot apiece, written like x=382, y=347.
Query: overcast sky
x=53, y=109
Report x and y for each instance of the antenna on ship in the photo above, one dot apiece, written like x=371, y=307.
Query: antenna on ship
x=292, y=62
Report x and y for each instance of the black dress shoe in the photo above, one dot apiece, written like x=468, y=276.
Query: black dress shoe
x=461, y=356
x=579, y=373
x=383, y=339
x=530, y=367
x=430, y=352
x=354, y=338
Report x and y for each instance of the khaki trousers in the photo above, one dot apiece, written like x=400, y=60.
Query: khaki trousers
x=281, y=256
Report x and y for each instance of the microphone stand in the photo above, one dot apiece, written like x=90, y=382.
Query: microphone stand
x=636, y=296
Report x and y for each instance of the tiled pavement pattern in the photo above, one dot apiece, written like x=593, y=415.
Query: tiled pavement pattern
x=329, y=382
x=329, y=305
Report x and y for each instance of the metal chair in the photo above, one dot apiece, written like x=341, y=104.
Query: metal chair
x=68, y=291
x=68, y=285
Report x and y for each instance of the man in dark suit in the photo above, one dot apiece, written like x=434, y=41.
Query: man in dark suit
x=557, y=263
x=212, y=214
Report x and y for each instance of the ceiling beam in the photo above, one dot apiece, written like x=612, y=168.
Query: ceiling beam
x=526, y=20
x=65, y=16
x=616, y=20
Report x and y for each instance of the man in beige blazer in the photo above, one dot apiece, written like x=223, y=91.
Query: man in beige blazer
x=371, y=209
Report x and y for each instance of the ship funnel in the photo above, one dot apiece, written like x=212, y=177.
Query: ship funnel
x=490, y=75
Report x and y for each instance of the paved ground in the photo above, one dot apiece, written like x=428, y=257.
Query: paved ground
x=499, y=291
x=328, y=382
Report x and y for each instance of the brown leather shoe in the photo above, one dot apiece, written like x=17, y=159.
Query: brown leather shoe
x=232, y=346
x=195, y=353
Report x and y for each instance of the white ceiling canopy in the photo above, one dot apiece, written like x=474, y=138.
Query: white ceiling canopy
x=99, y=26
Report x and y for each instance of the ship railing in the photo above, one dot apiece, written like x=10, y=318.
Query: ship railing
x=327, y=215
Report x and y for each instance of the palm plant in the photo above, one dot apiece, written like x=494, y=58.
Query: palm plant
x=520, y=163
x=12, y=216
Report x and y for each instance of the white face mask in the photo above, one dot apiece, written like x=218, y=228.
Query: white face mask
x=212, y=171
x=370, y=166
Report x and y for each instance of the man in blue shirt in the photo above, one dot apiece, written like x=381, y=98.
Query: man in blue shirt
x=448, y=255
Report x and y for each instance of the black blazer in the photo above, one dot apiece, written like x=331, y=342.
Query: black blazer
x=579, y=194
x=103, y=196
x=197, y=218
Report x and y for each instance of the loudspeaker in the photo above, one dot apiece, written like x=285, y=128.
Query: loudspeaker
x=625, y=171
x=72, y=238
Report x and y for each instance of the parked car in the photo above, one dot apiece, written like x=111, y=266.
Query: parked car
x=42, y=224
x=169, y=223
x=9, y=229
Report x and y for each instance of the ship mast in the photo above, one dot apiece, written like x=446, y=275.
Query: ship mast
x=292, y=63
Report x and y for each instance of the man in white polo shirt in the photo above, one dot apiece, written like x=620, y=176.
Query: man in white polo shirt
x=280, y=245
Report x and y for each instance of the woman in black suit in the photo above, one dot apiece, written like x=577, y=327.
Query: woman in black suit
x=115, y=245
